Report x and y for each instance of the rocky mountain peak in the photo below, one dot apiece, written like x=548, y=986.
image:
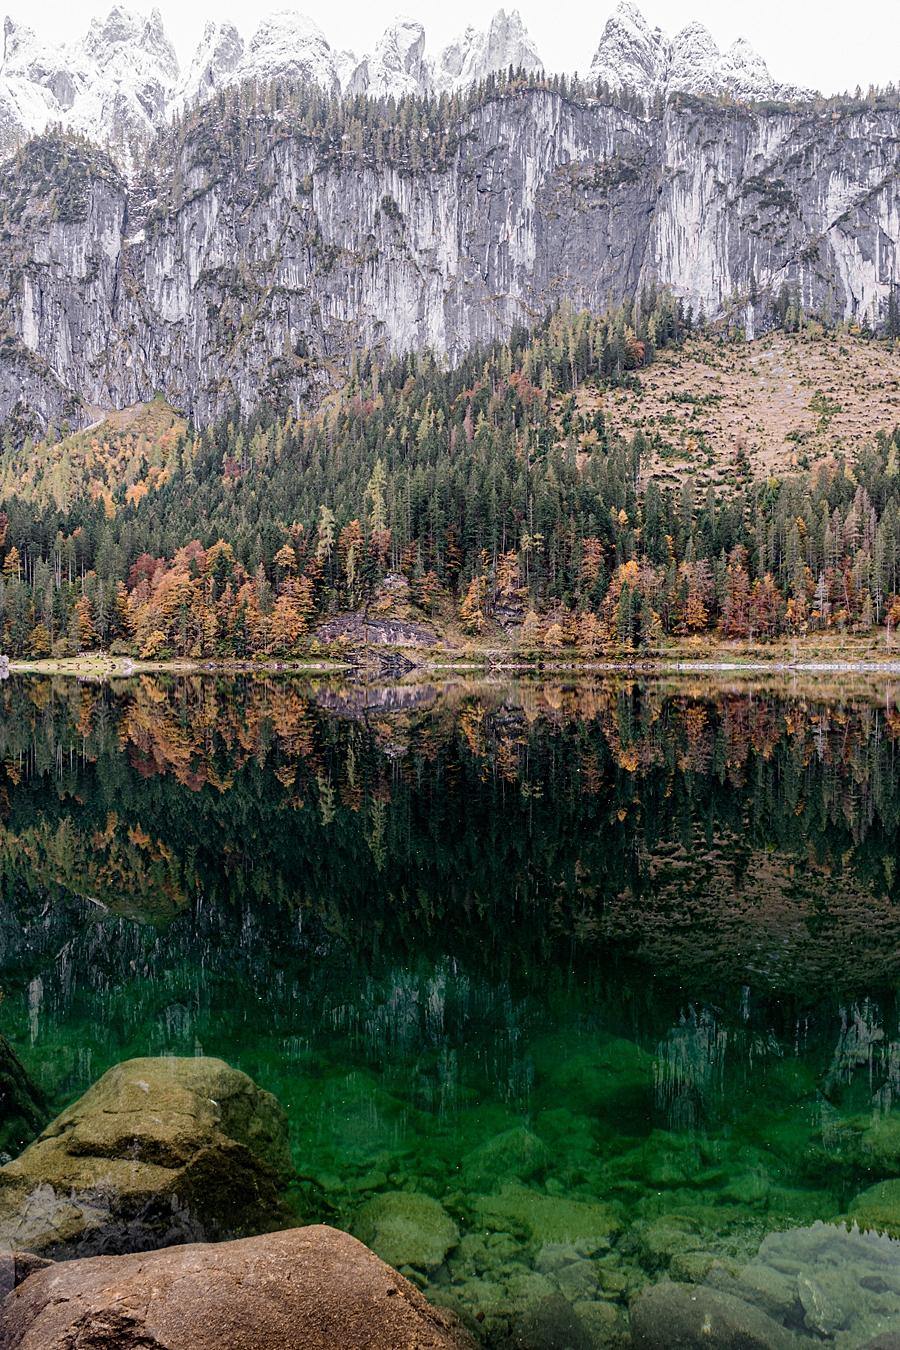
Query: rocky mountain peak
x=129, y=41
x=123, y=77
x=396, y=67
x=632, y=54
x=289, y=45
x=474, y=55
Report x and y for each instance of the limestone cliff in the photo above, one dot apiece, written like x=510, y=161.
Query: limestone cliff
x=264, y=255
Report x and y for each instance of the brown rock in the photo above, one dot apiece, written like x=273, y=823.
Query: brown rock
x=306, y=1289
x=158, y=1151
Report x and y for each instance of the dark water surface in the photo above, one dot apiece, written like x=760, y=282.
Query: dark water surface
x=610, y=970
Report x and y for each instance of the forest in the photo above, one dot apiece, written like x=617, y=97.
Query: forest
x=482, y=498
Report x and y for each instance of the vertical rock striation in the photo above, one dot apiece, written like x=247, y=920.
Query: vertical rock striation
x=256, y=279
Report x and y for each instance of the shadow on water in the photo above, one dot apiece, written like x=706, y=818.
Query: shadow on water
x=606, y=969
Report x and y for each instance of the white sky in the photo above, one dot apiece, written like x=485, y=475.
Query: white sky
x=823, y=44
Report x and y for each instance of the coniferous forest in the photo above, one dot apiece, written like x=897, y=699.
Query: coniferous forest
x=482, y=496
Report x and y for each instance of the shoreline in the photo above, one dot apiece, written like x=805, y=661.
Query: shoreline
x=126, y=668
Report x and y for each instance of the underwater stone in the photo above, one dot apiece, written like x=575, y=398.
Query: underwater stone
x=308, y=1287
x=544, y=1218
x=577, y=1281
x=158, y=1151
x=878, y=1207
x=669, y=1235
x=515, y=1154
x=606, y=1076
x=750, y=1188
x=824, y=1313
x=691, y=1267
x=406, y=1228
x=603, y=1320
x=670, y=1316
x=773, y=1291
x=552, y=1325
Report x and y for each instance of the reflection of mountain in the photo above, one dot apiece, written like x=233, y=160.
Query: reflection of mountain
x=732, y=912
x=729, y=836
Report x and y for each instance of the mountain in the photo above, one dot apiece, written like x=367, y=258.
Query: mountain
x=634, y=56
x=123, y=79
x=119, y=80
x=396, y=67
x=263, y=251
x=473, y=55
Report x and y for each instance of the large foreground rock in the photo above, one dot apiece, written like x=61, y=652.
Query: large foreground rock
x=307, y=1289
x=158, y=1151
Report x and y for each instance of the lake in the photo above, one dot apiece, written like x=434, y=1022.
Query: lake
x=609, y=969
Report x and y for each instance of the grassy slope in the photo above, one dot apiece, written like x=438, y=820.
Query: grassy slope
x=788, y=400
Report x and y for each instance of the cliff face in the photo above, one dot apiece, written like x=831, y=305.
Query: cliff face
x=260, y=280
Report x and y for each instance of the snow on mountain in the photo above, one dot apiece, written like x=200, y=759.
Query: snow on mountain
x=215, y=61
x=474, y=55
x=118, y=80
x=396, y=67
x=123, y=77
x=128, y=72
x=292, y=46
x=646, y=60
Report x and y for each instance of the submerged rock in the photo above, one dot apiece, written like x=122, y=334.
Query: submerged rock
x=158, y=1151
x=308, y=1287
x=23, y=1107
x=878, y=1207
x=670, y=1316
x=543, y=1218
x=406, y=1229
x=515, y=1154
x=552, y=1325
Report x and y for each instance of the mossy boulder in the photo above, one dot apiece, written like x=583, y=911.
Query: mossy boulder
x=879, y=1207
x=543, y=1218
x=516, y=1154
x=406, y=1229
x=158, y=1151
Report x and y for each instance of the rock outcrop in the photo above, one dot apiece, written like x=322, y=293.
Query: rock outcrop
x=306, y=1289
x=261, y=268
x=158, y=1151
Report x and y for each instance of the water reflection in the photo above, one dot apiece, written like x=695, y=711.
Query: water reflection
x=606, y=972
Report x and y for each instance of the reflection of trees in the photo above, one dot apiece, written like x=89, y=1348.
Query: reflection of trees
x=730, y=832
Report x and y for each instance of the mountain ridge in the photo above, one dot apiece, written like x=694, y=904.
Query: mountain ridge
x=122, y=80
x=267, y=246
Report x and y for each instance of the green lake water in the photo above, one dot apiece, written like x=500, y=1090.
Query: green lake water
x=609, y=971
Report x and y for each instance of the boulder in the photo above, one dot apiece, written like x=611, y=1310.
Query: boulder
x=158, y=1151
x=543, y=1218
x=552, y=1325
x=670, y=1316
x=406, y=1229
x=878, y=1207
x=306, y=1289
x=514, y=1155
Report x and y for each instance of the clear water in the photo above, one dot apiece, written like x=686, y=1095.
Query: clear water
x=610, y=971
